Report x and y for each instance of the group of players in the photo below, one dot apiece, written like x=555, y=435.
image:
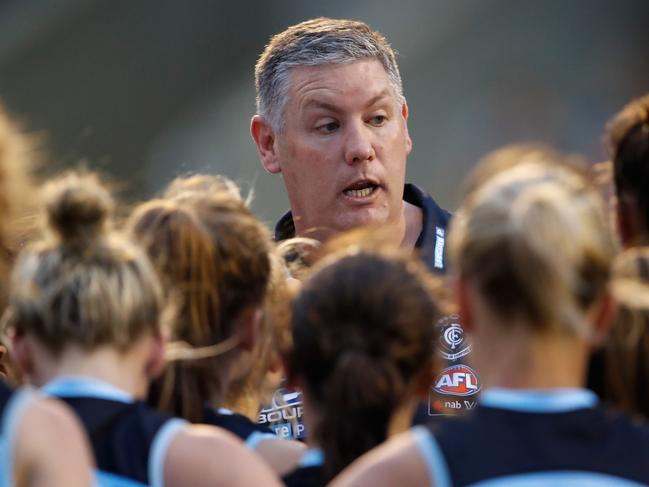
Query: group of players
x=142, y=349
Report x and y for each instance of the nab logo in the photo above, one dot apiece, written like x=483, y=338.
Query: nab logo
x=458, y=380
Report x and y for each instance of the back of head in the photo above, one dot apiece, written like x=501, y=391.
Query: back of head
x=628, y=136
x=206, y=184
x=535, y=241
x=627, y=348
x=312, y=43
x=363, y=331
x=514, y=155
x=212, y=255
x=83, y=284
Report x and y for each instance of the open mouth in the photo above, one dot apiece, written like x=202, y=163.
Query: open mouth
x=361, y=189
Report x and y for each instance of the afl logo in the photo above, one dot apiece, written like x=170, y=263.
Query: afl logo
x=458, y=380
x=452, y=341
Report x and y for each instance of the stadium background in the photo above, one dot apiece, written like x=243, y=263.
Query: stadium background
x=148, y=89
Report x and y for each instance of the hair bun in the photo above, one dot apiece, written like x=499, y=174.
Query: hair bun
x=77, y=206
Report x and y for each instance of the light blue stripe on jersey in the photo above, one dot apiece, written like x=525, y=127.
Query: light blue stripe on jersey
x=257, y=437
x=105, y=479
x=73, y=386
x=312, y=458
x=14, y=410
x=539, y=400
x=432, y=455
x=565, y=479
x=159, y=447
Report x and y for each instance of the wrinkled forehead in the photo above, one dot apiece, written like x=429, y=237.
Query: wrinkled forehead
x=359, y=82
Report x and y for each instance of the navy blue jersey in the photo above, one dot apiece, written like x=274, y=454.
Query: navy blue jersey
x=309, y=472
x=251, y=433
x=128, y=439
x=431, y=242
x=12, y=405
x=524, y=438
x=456, y=387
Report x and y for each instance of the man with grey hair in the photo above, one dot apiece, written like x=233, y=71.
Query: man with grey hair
x=332, y=119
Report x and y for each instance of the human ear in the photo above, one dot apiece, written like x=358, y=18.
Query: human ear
x=22, y=352
x=264, y=136
x=404, y=115
x=602, y=319
x=249, y=323
x=156, y=361
x=462, y=292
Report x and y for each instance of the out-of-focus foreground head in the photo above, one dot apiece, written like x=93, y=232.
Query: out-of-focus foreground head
x=535, y=242
x=212, y=255
x=83, y=284
x=626, y=351
x=18, y=199
x=363, y=332
x=628, y=137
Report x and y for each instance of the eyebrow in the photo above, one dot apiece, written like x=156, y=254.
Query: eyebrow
x=332, y=107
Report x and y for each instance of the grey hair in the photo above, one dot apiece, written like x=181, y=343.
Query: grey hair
x=313, y=43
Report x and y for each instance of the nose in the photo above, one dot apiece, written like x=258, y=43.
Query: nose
x=358, y=145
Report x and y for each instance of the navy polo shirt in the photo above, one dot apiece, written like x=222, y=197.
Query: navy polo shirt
x=432, y=239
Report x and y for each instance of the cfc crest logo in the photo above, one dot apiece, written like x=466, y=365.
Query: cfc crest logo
x=458, y=380
x=453, y=343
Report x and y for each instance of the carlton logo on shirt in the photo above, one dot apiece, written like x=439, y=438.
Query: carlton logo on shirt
x=453, y=343
x=458, y=380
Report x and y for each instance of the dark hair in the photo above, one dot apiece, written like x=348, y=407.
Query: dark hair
x=363, y=332
x=212, y=255
x=628, y=137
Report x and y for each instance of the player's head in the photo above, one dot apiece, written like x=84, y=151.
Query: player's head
x=83, y=285
x=363, y=331
x=534, y=243
x=628, y=135
x=212, y=255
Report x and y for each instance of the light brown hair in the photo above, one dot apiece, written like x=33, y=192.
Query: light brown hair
x=626, y=352
x=536, y=242
x=212, y=255
x=83, y=283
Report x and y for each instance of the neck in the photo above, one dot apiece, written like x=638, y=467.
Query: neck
x=528, y=361
x=402, y=418
x=412, y=222
x=124, y=370
x=404, y=232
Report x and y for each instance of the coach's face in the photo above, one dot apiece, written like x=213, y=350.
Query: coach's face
x=343, y=148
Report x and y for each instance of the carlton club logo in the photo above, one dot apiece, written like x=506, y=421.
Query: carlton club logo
x=458, y=380
x=453, y=343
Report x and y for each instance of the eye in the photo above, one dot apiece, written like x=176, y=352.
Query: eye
x=328, y=127
x=378, y=120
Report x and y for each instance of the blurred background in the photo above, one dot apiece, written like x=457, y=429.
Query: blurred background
x=149, y=89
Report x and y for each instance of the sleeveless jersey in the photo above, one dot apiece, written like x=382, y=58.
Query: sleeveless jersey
x=309, y=472
x=128, y=439
x=12, y=406
x=251, y=433
x=533, y=438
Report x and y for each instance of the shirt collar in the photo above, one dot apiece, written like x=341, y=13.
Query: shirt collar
x=539, y=400
x=78, y=386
